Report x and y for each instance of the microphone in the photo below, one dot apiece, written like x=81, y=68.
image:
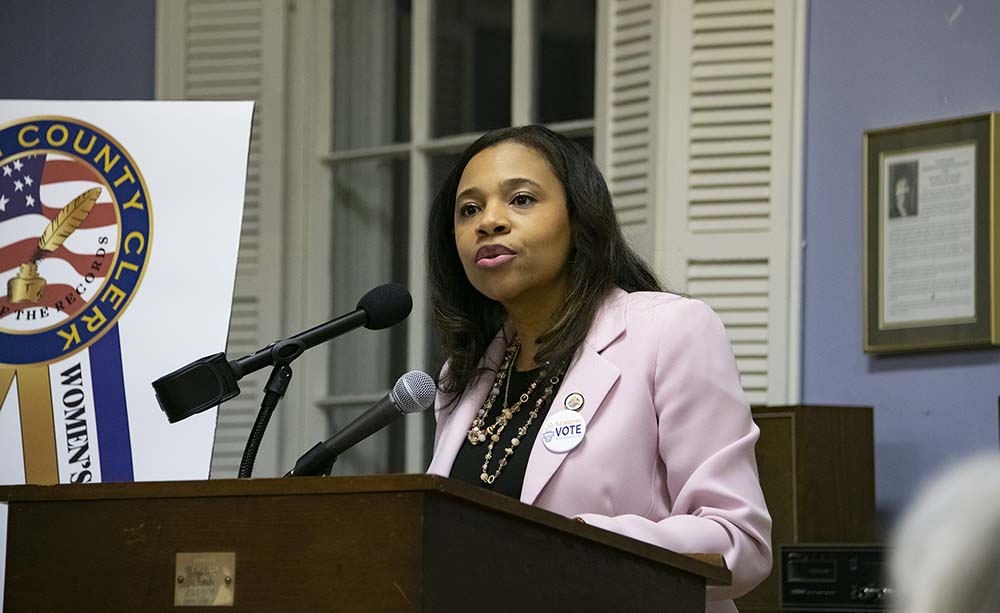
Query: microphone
x=210, y=381
x=382, y=307
x=413, y=392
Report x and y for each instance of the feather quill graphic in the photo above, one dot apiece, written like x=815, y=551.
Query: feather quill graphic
x=66, y=222
x=27, y=286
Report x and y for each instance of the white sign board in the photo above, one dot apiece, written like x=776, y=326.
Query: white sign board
x=119, y=231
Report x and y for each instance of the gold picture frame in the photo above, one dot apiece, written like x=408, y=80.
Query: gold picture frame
x=930, y=236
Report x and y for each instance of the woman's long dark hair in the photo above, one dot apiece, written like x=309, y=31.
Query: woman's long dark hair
x=599, y=260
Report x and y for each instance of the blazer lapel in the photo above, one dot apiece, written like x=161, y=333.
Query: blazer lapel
x=590, y=375
x=461, y=415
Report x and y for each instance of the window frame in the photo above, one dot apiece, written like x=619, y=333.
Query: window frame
x=315, y=396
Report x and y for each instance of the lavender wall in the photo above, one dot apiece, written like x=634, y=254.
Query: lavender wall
x=870, y=65
x=99, y=49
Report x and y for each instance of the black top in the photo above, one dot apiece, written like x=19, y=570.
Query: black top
x=468, y=464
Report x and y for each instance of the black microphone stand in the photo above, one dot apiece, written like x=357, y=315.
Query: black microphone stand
x=317, y=462
x=281, y=354
x=210, y=381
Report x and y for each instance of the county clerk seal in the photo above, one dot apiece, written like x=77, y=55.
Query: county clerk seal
x=75, y=237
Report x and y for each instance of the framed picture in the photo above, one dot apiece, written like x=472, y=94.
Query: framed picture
x=930, y=236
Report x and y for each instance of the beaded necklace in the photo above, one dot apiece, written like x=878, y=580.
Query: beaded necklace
x=479, y=432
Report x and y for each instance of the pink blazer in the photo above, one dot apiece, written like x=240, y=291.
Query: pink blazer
x=668, y=456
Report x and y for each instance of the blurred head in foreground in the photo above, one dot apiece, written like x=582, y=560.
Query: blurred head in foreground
x=946, y=548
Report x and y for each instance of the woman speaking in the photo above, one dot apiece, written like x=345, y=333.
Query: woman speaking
x=573, y=382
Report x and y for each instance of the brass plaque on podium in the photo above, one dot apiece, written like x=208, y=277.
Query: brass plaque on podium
x=205, y=579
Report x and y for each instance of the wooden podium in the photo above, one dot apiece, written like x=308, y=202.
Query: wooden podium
x=386, y=543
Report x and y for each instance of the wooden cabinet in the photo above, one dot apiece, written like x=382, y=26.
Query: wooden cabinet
x=817, y=471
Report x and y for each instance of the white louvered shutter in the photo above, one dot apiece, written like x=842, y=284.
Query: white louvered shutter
x=233, y=50
x=625, y=141
x=716, y=204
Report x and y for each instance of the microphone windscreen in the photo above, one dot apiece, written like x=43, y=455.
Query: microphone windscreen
x=386, y=305
x=199, y=386
x=414, y=392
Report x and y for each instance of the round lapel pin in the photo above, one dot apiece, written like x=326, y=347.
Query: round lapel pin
x=574, y=402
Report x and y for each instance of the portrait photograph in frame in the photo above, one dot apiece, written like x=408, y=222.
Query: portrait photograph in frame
x=930, y=231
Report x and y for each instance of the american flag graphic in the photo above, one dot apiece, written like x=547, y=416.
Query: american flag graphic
x=33, y=189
